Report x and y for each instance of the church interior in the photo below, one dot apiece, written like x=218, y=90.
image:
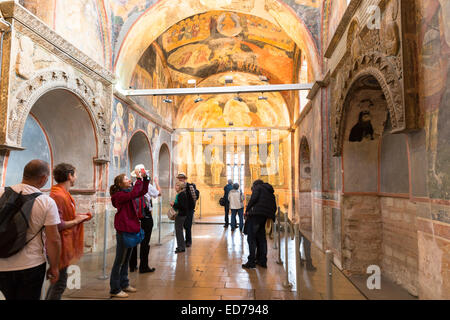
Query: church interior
x=357, y=157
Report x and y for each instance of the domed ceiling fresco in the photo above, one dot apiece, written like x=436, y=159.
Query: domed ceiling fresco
x=208, y=46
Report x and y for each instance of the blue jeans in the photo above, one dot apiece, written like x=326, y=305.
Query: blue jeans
x=240, y=212
x=119, y=273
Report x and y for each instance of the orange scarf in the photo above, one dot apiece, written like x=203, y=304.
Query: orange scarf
x=72, y=239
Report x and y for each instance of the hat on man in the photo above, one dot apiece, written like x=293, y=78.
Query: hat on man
x=139, y=167
x=181, y=175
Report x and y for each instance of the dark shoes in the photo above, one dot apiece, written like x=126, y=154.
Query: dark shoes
x=309, y=265
x=249, y=266
x=225, y=226
x=262, y=265
x=146, y=270
x=179, y=251
x=133, y=269
x=188, y=245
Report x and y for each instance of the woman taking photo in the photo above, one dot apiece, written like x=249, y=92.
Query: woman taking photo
x=181, y=206
x=126, y=220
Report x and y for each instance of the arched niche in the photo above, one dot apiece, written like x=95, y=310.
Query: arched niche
x=375, y=176
x=304, y=183
x=36, y=145
x=366, y=116
x=68, y=128
x=140, y=152
x=164, y=167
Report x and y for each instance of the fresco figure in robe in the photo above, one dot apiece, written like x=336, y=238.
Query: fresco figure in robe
x=272, y=166
x=118, y=132
x=200, y=163
x=254, y=163
x=216, y=166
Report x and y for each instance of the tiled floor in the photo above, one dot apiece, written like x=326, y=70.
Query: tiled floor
x=209, y=270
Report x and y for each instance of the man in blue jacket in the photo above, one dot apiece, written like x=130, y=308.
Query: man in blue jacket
x=226, y=190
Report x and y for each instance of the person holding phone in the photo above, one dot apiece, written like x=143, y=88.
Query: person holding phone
x=123, y=195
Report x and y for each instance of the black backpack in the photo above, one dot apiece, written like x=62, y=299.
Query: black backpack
x=15, y=212
x=192, y=195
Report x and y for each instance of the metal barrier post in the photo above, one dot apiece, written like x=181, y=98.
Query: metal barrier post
x=200, y=204
x=274, y=234
x=297, y=259
x=105, y=247
x=279, y=238
x=328, y=274
x=286, y=283
x=159, y=221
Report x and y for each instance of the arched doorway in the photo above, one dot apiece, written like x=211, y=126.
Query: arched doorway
x=304, y=185
x=58, y=129
x=375, y=188
x=140, y=152
x=164, y=176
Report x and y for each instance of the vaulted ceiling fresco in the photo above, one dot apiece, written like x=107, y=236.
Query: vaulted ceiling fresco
x=216, y=42
x=219, y=111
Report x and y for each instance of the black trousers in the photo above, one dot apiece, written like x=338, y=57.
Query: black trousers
x=188, y=226
x=147, y=226
x=227, y=212
x=23, y=284
x=256, y=238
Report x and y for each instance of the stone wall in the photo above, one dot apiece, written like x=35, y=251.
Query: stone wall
x=362, y=233
x=305, y=210
x=400, y=249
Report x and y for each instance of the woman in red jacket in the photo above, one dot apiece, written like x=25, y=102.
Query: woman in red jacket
x=126, y=220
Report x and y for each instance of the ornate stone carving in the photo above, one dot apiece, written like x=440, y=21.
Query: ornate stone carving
x=373, y=64
x=44, y=81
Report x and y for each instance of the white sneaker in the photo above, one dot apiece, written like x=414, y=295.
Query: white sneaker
x=129, y=289
x=121, y=294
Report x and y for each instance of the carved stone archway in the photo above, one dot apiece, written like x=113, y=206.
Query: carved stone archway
x=47, y=80
x=373, y=64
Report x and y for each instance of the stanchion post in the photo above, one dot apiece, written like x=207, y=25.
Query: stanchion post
x=159, y=221
x=329, y=274
x=200, y=205
x=279, y=261
x=297, y=259
x=286, y=283
x=105, y=247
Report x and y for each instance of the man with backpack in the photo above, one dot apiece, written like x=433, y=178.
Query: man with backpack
x=261, y=206
x=192, y=197
x=28, y=219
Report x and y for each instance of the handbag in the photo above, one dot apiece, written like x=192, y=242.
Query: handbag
x=131, y=240
x=222, y=202
x=172, y=214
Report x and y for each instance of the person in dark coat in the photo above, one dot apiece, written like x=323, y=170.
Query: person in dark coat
x=226, y=191
x=261, y=206
x=181, y=205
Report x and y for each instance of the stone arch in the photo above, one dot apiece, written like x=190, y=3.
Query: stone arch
x=138, y=153
x=378, y=66
x=304, y=184
x=45, y=81
x=159, y=17
x=304, y=165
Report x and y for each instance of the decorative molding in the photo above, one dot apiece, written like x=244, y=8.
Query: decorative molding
x=40, y=33
x=370, y=64
x=44, y=81
x=342, y=27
